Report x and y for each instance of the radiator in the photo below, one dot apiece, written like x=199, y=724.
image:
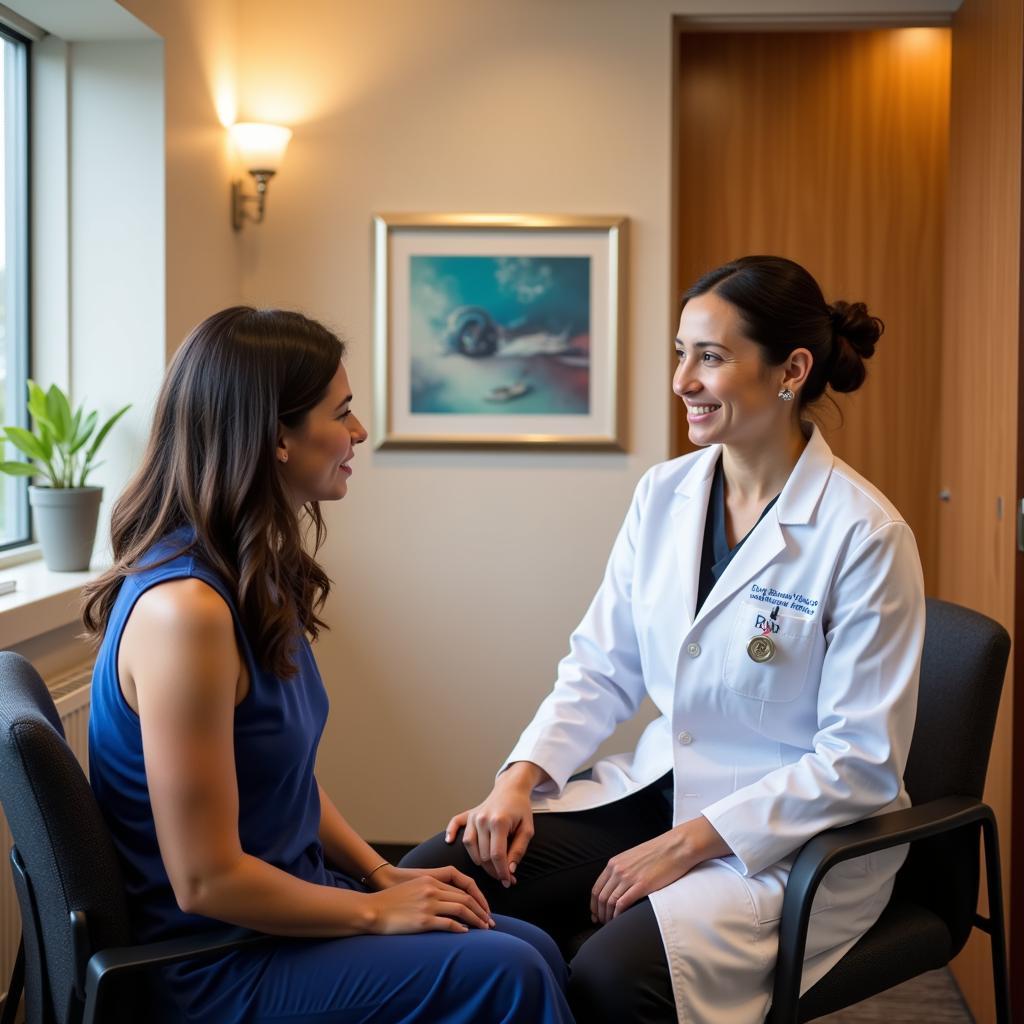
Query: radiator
x=71, y=695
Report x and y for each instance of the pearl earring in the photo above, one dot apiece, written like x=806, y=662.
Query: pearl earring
x=786, y=395
x=283, y=457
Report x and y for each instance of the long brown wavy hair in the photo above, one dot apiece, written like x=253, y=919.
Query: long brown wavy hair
x=210, y=464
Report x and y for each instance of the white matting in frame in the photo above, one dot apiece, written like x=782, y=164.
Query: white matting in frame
x=499, y=331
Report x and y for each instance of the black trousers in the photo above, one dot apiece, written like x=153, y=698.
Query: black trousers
x=620, y=973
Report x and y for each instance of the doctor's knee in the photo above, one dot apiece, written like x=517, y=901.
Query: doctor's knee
x=436, y=853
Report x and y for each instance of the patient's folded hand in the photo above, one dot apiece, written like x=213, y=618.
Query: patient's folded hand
x=428, y=899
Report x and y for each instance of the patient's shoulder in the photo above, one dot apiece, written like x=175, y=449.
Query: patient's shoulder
x=185, y=607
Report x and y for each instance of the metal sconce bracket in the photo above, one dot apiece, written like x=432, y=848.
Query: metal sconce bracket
x=239, y=200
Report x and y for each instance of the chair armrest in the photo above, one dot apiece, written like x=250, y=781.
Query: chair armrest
x=827, y=849
x=118, y=960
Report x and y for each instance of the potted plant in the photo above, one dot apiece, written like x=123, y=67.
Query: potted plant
x=62, y=447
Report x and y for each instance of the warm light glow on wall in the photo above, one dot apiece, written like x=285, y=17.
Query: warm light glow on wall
x=920, y=40
x=224, y=101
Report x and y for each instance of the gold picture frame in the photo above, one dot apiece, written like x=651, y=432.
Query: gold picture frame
x=500, y=331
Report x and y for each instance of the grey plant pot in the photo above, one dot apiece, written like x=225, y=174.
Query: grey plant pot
x=65, y=519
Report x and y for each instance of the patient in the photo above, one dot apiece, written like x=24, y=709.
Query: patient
x=207, y=708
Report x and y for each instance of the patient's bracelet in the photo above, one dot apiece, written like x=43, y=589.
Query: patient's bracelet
x=382, y=864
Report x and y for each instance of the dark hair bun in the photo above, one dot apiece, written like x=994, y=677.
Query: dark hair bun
x=854, y=336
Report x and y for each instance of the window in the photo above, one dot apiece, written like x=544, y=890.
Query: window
x=14, y=318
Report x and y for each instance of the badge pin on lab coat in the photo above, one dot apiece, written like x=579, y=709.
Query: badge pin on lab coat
x=761, y=648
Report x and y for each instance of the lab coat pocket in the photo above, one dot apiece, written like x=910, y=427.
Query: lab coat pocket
x=782, y=677
x=767, y=890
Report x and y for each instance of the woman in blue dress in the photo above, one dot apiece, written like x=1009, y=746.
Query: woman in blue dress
x=207, y=708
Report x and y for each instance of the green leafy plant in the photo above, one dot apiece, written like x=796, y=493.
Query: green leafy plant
x=59, y=443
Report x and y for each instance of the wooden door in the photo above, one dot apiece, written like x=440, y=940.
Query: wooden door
x=831, y=148
x=980, y=446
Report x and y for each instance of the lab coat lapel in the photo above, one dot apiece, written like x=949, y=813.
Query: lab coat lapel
x=767, y=540
x=688, y=513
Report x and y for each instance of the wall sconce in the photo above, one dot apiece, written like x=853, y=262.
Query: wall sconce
x=260, y=149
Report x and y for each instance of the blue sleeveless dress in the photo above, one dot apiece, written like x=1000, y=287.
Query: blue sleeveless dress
x=513, y=973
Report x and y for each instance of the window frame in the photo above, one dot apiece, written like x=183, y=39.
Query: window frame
x=18, y=285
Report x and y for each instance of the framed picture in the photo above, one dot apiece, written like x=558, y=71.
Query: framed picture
x=499, y=331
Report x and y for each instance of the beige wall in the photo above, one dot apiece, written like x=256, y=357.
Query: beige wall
x=203, y=269
x=458, y=576
x=117, y=247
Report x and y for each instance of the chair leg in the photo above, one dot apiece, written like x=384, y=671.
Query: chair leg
x=997, y=925
x=14, y=987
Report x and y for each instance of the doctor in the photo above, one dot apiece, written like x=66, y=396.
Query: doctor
x=769, y=600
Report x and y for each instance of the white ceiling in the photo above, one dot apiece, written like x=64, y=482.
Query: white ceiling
x=85, y=20
x=81, y=20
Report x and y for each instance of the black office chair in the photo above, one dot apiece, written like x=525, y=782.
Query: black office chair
x=77, y=964
x=933, y=906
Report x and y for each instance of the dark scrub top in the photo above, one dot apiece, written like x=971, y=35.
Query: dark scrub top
x=716, y=553
x=714, y=557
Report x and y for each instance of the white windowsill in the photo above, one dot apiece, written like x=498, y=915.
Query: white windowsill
x=31, y=552
x=43, y=600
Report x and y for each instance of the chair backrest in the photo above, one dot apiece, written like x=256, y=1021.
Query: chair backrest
x=962, y=671
x=62, y=841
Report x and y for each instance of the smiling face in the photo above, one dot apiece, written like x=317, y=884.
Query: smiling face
x=314, y=457
x=731, y=393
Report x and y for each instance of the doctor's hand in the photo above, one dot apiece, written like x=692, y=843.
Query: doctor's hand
x=498, y=831
x=633, y=874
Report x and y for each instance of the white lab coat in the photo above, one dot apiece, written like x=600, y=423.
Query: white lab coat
x=770, y=753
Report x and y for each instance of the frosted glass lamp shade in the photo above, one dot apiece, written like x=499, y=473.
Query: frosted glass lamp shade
x=260, y=146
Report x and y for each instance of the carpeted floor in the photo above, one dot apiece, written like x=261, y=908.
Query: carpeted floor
x=932, y=997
